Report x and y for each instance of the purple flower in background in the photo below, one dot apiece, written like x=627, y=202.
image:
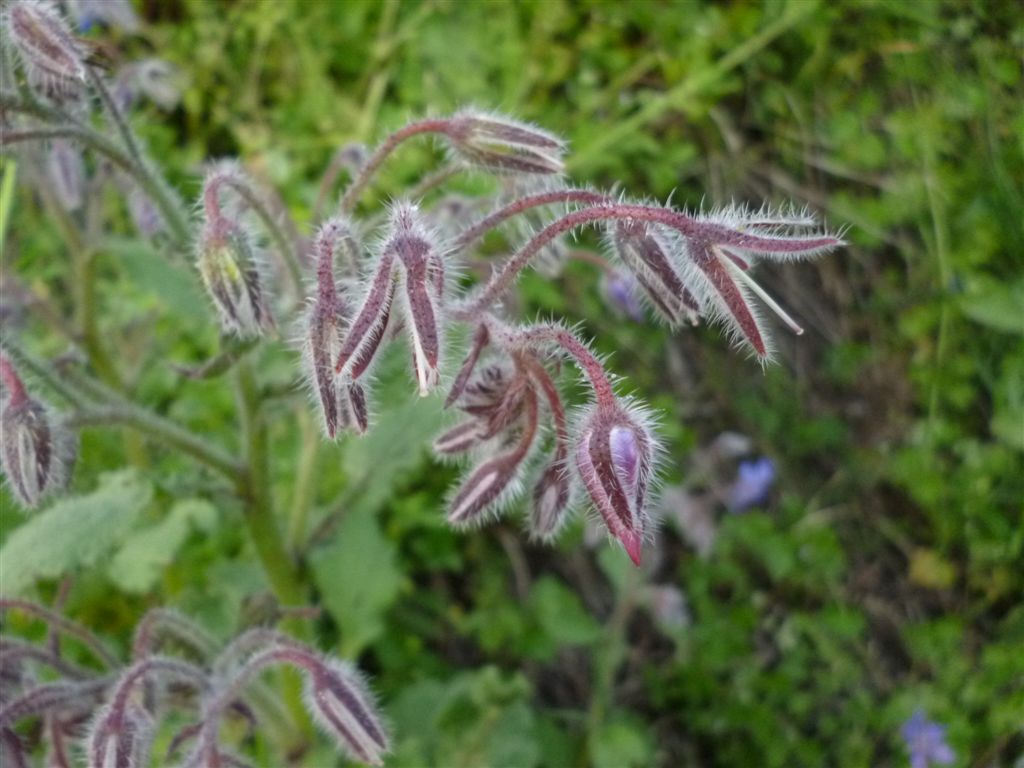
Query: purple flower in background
x=622, y=294
x=926, y=742
x=753, y=484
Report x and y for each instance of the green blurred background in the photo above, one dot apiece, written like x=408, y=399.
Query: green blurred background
x=885, y=573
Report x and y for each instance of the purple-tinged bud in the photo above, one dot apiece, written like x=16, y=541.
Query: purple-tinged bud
x=66, y=173
x=49, y=52
x=227, y=263
x=621, y=293
x=459, y=439
x=496, y=479
x=502, y=145
x=366, y=331
x=344, y=707
x=423, y=282
x=120, y=738
x=646, y=252
x=552, y=497
x=35, y=447
x=342, y=401
x=615, y=455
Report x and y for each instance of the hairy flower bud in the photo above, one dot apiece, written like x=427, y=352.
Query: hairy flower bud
x=552, y=496
x=344, y=708
x=423, y=282
x=227, y=263
x=50, y=54
x=342, y=401
x=502, y=145
x=615, y=456
x=35, y=446
x=648, y=255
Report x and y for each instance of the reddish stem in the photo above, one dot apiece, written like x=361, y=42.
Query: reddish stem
x=584, y=358
x=524, y=204
x=355, y=189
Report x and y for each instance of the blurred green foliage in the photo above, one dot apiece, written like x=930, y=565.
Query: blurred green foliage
x=887, y=574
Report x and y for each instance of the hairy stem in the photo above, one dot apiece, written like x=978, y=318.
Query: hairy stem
x=66, y=626
x=367, y=172
x=255, y=489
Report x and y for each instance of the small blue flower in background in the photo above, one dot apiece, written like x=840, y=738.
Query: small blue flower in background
x=926, y=742
x=623, y=295
x=753, y=484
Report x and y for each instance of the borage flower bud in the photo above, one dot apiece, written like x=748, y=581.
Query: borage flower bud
x=49, y=52
x=423, y=283
x=502, y=145
x=648, y=254
x=496, y=480
x=343, y=706
x=35, y=447
x=227, y=263
x=552, y=497
x=616, y=452
x=342, y=401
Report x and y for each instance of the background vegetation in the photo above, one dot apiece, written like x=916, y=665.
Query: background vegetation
x=886, y=571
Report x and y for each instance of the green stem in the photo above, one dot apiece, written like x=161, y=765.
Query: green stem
x=254, y=488
x=162, y=432
x=116, y=117
x=44, y=373
x=305, y=466
x=609, y=656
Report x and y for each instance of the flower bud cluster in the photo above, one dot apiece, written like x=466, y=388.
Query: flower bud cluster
x=124, y=709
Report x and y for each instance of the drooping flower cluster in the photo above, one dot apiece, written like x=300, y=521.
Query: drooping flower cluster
x=115, y=709
x=686, y=267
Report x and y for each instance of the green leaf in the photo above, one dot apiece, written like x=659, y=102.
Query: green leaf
x=622, y=743
x=137, y=565
x=75, y=532
x=561, y=615
x=359, y=578
x=997, y=306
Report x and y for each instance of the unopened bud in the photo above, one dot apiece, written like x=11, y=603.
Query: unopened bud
x=50, y=54
x=502, y=145
x=227, y=264
x=35, y=446
x=344, y=708
x=423, y=272
x=551, y=501
x=615, y=456
x=648, y=254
